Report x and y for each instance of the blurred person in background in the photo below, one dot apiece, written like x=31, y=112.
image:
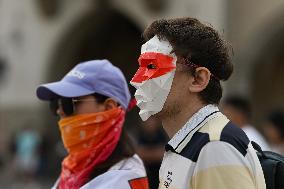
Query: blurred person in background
x=274, y=130
x=238, y=110
x=25, y=146
x=91, y=102
x=178, y=81
x=151, y=145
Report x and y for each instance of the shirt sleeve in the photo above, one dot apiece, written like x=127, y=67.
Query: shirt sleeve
x=222, y=166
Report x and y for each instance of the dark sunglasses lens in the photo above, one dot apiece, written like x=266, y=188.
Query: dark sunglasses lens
x=67, y=106
x=53, y=105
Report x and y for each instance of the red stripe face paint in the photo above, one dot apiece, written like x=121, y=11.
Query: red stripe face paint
x=154, y=76
x=153, y=65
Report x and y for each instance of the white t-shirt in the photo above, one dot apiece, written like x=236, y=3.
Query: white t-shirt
x=126, y=174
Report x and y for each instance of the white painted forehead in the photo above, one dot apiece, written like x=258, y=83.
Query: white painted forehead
x=157, y=45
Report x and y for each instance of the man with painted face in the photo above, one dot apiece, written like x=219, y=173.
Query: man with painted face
x=91, y=102
x=178, y=81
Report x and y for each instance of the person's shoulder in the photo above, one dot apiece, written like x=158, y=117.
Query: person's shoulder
x=131, y=164
x=223, y=130
x=111, y=179
x=236, y=137
x=216, y=129
x=121, y=175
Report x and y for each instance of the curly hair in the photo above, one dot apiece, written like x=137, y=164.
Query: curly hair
x=199, y=43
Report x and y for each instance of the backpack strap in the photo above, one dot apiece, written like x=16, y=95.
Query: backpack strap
x=269, y=166
x=258, y=148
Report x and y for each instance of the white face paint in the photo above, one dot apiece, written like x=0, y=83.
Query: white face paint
x=154, y=78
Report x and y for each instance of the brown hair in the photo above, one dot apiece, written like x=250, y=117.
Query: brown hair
x=201, y=45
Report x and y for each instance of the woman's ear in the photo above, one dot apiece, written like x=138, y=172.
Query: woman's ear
x=201, y=78
x=110, y=104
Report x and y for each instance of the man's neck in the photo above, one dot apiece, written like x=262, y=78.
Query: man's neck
x=172, y=124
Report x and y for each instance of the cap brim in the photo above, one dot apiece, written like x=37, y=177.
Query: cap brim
x=61, y=88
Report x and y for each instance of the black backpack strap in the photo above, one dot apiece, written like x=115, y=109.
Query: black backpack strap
x=257, y=148
x=268, y=166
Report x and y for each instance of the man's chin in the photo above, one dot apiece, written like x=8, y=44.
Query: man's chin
x=145, y=115
x=160, y=115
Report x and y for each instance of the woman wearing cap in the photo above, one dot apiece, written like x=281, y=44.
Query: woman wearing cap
x=91, y=101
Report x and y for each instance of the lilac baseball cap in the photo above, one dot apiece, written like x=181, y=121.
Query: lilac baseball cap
x=95, y=76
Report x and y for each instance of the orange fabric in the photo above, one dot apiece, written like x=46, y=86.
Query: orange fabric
x=89, y=139
x=139, y=183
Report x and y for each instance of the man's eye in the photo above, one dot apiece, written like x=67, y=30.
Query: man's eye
x=151, y=66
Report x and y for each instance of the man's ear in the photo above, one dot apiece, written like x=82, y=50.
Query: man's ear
x=200, y=80
x=110, y=104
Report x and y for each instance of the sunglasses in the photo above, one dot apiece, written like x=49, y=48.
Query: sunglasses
x=68, y=105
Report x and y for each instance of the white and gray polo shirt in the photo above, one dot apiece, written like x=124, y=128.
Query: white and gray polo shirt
x=209, y=152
